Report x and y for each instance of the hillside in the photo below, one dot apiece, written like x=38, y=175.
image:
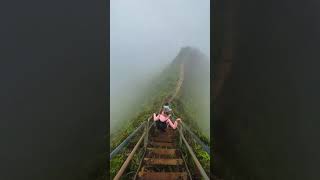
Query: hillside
x=195, y=92
x=191, y=103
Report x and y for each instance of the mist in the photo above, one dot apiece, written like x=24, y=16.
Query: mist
x=145, y=36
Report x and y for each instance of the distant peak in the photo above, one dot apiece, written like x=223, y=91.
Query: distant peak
x=190, y=54
x=189, y=48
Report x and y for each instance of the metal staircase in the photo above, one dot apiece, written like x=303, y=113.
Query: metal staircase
x=163, y=159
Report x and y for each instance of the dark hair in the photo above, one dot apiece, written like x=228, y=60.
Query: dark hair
x=166, y=104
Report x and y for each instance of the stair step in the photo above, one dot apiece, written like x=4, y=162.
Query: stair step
x=162, y=151
x=162, y=139
x=164, y=133
x=162, y=144
x=163, y=168
x=168, y=133
x=163, y=175
x=153, y=161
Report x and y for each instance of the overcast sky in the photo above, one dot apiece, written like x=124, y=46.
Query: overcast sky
x=151, y=30
x=145, y=35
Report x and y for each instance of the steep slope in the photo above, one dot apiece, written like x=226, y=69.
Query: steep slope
x=193, y=102
x=189, y=102
x=195, y=91
x=159, y=89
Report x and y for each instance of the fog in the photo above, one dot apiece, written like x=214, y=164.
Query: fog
x=145, y=36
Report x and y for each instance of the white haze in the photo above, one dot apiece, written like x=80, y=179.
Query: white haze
x=145, y=35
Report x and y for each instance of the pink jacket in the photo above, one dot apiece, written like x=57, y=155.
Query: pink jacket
x=166, y=119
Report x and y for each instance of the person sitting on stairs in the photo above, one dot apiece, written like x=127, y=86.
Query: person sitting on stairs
x=163, y=120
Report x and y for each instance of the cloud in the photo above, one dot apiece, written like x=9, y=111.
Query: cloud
x=145, y=35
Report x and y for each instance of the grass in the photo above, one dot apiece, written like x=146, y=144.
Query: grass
x=160, y=89
x=203, y=156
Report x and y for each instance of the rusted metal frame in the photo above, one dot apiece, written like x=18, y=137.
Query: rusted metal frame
x=125, y=142
x=126, y=163
x=204, y=147
x=196, y=161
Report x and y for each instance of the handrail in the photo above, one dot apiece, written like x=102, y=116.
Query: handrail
x=126, y=163
x=204, y=147
x=185, y=163
x=148, y=121
x=125, y=142
x=202, y=172
x=140, y=164
x=143, y=136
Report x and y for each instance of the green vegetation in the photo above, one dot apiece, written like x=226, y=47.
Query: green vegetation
x=184, y=106
x=193, y=105
x=186, y=115
x=116, y=163
x=202, y=155
x=161, y=87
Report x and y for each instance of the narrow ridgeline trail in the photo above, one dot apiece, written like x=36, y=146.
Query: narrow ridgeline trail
x=163, y=158
x=179, y=83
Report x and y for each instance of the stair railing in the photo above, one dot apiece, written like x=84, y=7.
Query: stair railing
x=126, y=163
x=144, y=137
x=196, y=161
x=126, y=141
x=195, y=137
x=147, y=129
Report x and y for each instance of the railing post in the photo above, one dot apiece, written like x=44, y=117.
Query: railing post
x=126, y=163
x=196, y=161
x=147, y=134
x=180, y=138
